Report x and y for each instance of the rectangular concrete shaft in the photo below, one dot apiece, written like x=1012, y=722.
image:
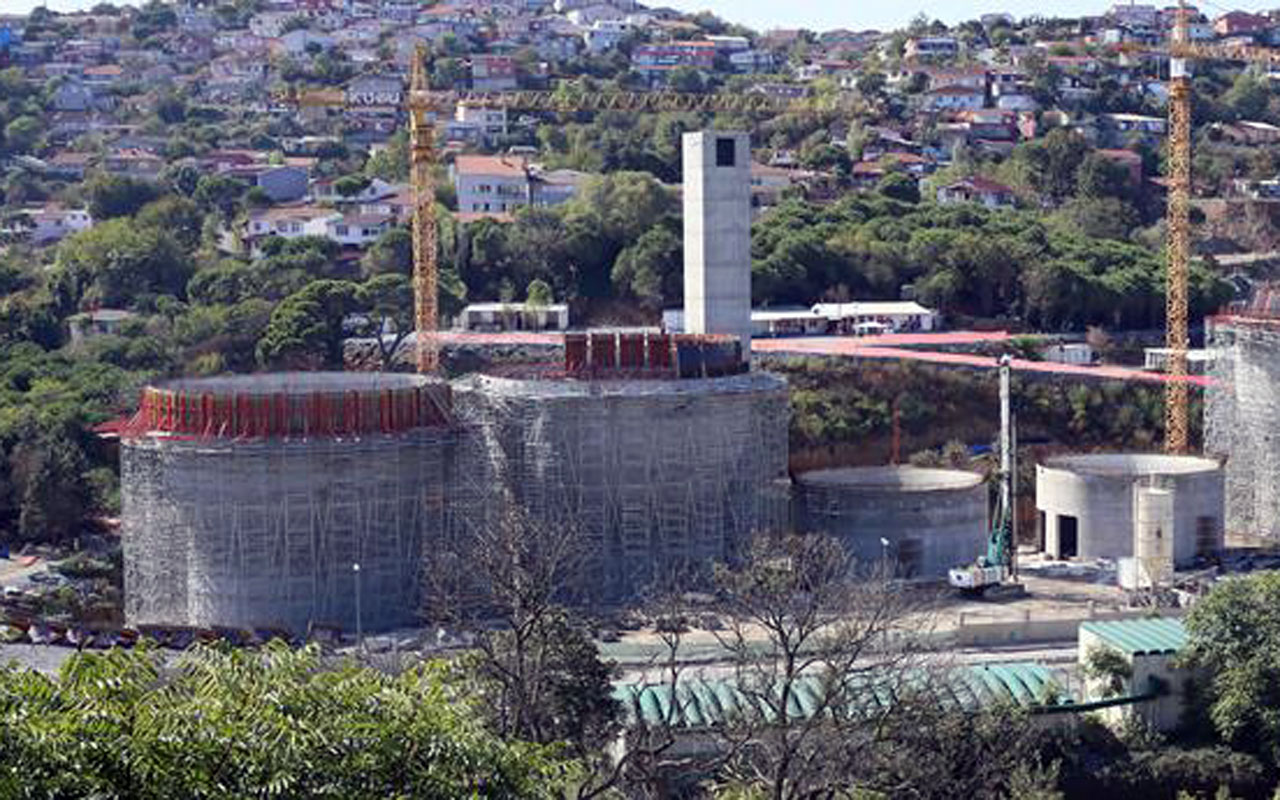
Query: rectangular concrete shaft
x=717, y=234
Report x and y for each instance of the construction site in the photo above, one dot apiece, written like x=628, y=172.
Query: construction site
x=296, y=500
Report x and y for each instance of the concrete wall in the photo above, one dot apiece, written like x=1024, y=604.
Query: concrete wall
x=717, y=235
x=934, y=519
x=1103, y=504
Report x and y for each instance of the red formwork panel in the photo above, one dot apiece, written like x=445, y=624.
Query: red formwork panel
x=631, y=351
x=575, y=352
x=604, y=350
x=659, y=351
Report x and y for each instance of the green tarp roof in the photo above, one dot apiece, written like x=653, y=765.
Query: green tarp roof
x=703, y=703
x=1140, y=636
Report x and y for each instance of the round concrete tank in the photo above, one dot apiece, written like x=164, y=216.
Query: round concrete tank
x=653, y=476
x=931, y=519
x=1089, y=509
x=248, y=500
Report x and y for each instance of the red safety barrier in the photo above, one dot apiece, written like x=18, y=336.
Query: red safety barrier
x=631, y=351
x=575, y=351
x=604, y=350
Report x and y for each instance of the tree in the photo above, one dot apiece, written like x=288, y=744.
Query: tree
x=112, y=196
x=171, y=109
x=650, y=269
x=391, y=163
x=21, y=135
x=112, y=263
x=48, y=467
x=1099, y=177
x=508, y=582
x=1233, y=635
x=804, y=620
x=219, y=193
x=900, y=186
x=351, y=185
x=306, y=328
x=538, y=294
x=255, y=723
x=387, y=302
x=176, y=216
x=390, y=252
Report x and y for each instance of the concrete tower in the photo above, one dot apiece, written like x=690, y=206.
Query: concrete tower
x=717, y=234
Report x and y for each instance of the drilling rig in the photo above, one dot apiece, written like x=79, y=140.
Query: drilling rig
x=999, y=566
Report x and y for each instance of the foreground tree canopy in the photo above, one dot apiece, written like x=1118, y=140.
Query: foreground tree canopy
x=245, y=724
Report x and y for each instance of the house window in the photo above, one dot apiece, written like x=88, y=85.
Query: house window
x=296, y=227
x=725, y=152
x=342, y=230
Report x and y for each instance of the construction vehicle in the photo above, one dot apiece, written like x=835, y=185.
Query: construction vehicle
x=998, y=566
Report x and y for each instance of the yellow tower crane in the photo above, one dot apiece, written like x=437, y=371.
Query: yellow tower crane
x=424, y=104
x=1181, y=52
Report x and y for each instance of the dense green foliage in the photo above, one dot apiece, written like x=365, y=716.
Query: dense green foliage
x=964, y=260
x=254, y=724
x=837, y=402
x=1234, y=636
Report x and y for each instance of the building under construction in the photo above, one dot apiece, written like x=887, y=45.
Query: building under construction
x=250, y=501
x=1242, y=413
x=653, y=452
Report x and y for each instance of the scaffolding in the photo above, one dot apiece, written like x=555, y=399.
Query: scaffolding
x=654, y=476
x=247, y=501
x=1242, y=417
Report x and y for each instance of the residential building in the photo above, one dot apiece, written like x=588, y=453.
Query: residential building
x=375, y=90
x=69, y=165
x=1241, y=23
x=356, y=229
x=656, y=61
x=101, y=322
x=324, y=190
x=977, y=190
x=133, y=162
x=289, y=222
x=605, y=34
x=491, y=73
x=491, y=184
x=932, y=47
x=1127, y=160
x=492, y=317
x=51, y=223
x=750, y=62
x=1121, y=129
x=954, y=98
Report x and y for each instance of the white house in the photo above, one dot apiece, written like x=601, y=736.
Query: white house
x=977, y=190
x=51, y=223
x=955, y=98
x=513, y=317
x=491, y=184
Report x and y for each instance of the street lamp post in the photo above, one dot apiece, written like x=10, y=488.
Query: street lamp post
x=359, y=629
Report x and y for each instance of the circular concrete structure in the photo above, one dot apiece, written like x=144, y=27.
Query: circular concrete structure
x=932, y=519
x=1088, y=506
x=247, y=500
x=653, y=475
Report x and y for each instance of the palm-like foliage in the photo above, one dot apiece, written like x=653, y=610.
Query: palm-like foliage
x=274, y=723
